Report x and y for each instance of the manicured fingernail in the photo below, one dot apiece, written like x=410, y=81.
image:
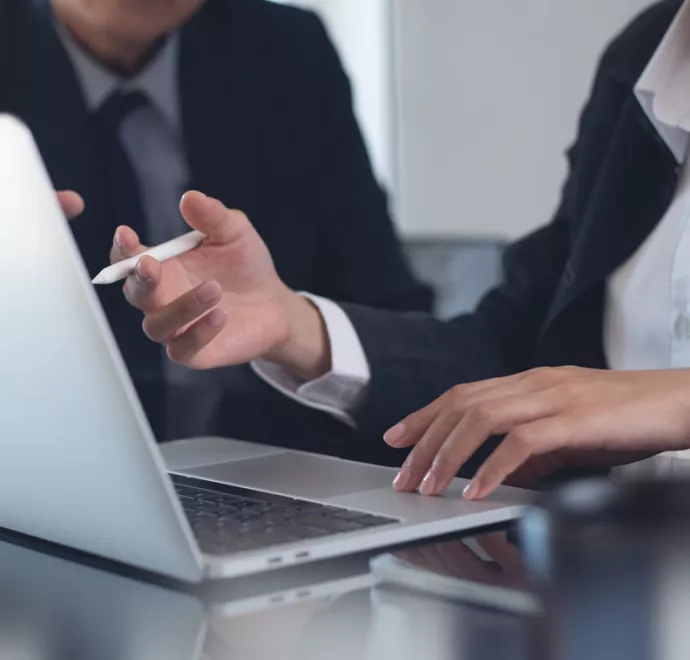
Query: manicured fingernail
x=429, y=484
x=394, y=436
x=118, y=241
x=208, y=292
x=471, y=490
x=402, y=480
x=216, y=318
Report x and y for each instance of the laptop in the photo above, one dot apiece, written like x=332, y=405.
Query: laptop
x=81, y=468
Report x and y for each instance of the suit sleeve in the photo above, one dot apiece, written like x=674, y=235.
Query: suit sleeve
x=415, y=358
x=361, y=258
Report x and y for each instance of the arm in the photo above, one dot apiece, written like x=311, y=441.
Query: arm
x=415, y=359
x=361, y=259
x=554, y=419
x=249, y=313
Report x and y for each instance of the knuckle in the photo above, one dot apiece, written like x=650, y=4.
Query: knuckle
x=542, y=376
x=238, y=218
x=133, y=290
x=550, y=376
x=239, y=215
x=176, y=352
x=522, y=438
x=570, y=389
x=458, y=395
x=151, y=330
x=481, y=414
x=566, y=373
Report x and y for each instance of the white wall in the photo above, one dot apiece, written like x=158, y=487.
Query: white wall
x=489, y=95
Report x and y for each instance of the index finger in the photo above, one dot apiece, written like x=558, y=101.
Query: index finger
x=126, y=244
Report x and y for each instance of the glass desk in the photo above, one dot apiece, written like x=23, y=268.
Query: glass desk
x=55, y=605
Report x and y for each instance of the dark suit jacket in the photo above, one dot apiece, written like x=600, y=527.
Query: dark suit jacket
x=549, y=308
x=268, y=128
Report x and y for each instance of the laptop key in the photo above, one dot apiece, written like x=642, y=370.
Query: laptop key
x=225, y=523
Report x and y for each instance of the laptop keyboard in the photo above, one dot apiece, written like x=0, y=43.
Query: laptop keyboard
x=229, y=519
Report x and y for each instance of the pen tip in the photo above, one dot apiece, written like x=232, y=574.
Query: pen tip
x=99, y=279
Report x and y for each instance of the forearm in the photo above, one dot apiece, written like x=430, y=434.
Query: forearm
x=306, y=354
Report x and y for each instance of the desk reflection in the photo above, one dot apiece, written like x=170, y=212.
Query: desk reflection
x=54, y=608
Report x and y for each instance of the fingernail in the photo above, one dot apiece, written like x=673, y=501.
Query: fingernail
x=429, y=484
x=471, y=490
x=118, y=241
x=402, y=480
x=394, y=436
x=208, y=292
x=140, y=274
x=216, y=318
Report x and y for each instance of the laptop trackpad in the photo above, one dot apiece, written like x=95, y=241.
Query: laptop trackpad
x=300, y=475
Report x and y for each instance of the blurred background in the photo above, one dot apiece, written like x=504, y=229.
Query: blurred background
x=467, y=117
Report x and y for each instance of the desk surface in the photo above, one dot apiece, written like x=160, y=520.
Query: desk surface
x=56, y=605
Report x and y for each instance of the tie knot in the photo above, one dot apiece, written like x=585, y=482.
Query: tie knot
x=118, y=106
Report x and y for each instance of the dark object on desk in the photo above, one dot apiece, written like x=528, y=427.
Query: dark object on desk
x=612, y=562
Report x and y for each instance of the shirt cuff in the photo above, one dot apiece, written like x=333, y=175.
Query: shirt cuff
x=338, y=391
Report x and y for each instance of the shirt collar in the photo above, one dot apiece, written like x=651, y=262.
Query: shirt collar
x=663, y=91
x=158, y=79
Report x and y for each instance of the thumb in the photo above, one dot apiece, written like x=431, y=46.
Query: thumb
x=213, y=219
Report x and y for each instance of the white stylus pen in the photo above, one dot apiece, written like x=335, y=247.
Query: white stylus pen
x=162, y=252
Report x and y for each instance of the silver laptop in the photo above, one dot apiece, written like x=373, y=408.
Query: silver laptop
x=81, y=468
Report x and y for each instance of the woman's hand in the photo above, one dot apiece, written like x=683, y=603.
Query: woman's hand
x=553, y=418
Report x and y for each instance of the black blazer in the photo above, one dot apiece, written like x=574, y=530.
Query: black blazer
x=268, y=128
x=549, y=308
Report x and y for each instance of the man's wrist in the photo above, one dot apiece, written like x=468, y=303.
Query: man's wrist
x=306, y=353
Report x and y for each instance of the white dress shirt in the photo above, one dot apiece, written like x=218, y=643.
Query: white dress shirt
x=647, y=311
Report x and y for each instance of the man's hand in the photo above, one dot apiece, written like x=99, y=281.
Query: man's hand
x=223, y=303
x=553, y=418
x=71, y=203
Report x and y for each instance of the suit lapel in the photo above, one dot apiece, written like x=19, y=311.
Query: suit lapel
x=633, y=192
